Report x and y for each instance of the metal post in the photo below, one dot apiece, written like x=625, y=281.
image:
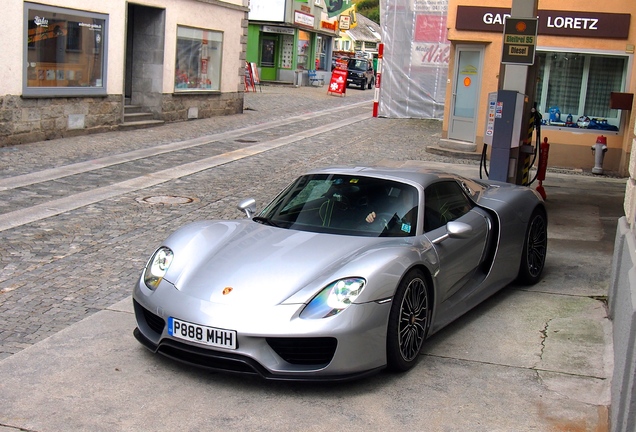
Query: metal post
x=520, y=78
x=378, y=74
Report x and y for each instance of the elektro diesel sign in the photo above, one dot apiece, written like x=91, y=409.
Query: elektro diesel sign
x=550, y=22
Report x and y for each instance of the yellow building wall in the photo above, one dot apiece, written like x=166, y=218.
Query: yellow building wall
x=567, y=149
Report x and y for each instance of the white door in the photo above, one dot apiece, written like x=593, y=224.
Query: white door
x=466, y=85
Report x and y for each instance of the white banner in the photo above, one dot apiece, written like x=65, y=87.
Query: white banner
x=267, y=10
x=416, y=58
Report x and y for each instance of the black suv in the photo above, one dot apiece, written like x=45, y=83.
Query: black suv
x=360, y=73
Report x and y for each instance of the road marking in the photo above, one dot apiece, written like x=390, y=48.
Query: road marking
x=95, y=164
x=52, y=208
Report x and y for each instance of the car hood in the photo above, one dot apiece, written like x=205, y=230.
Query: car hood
x=260, y=265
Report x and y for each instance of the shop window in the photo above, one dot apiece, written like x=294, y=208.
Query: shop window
x=65, y=52
x=574, y=89
x=198, y=63
x=302, y=55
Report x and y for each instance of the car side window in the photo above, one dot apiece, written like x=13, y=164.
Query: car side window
x=444, y=202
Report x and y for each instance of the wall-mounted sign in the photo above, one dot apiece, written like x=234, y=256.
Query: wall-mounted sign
x=344, y=22
x=550, y=22
x=304, y=19
x=337, y=7
x=328, y=25
x=278, y=30
x=519, y=41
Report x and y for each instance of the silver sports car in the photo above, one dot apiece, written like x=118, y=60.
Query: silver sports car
x=346, y=272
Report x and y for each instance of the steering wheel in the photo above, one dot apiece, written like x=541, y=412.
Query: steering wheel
x=341, y=202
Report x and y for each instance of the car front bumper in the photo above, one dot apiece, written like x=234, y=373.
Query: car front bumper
x=356, y=81
x=270, y=340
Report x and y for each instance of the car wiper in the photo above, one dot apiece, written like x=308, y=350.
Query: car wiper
x=264, y=220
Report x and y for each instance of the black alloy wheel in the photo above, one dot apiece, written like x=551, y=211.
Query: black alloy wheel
x=535, y=248
x=409, y=321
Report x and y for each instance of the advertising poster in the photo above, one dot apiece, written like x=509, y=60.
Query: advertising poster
x=431, y=46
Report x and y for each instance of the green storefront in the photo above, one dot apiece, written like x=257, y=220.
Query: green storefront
x=285, y=51
x=280, y=51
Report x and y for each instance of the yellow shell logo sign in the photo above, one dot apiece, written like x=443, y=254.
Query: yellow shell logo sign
x=227, y=290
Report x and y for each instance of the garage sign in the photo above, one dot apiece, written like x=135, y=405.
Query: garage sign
x=520, y=41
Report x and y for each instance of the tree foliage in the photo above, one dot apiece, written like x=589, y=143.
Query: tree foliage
x=369, y=8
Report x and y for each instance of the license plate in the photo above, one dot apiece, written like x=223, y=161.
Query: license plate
x=201, y=334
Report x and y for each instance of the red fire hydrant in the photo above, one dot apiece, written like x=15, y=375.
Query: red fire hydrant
x=599, y=149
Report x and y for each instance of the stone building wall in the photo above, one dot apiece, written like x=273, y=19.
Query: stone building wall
x=176, y=107
x=622, y=308
x=24, y=120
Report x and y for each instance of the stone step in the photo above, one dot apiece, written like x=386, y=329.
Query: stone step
x=457, y=154
x=131, y=109
x=457, y=145
x=140, y=124
x=137, y=116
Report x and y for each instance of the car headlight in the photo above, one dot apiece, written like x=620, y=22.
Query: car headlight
x=334, y=298
x=157, y=267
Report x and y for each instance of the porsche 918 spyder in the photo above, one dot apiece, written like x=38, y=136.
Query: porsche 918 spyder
x=345, y=273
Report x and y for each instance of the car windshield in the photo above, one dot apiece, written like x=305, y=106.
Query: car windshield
x=360, y=65
x=343, y=204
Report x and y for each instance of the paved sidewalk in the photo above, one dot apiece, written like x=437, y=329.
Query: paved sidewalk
x=528, y=359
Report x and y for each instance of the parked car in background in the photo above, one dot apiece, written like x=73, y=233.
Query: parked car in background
x=337, y=60
x=360, y=73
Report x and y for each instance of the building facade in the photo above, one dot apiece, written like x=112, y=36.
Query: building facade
x=72, y=66
x=584, y=54
x=363, y=39
x=288, y=38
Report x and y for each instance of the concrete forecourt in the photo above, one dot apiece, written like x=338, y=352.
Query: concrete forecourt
x=80, y=216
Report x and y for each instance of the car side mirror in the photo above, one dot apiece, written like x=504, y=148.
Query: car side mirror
x=248, y=206
x=454, y=229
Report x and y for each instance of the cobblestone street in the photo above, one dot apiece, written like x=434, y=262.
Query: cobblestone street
x=55, y=271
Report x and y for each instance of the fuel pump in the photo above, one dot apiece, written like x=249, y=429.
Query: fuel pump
x=535, y=126
x=505, y=111
x=512, y=150
x=504, y=144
